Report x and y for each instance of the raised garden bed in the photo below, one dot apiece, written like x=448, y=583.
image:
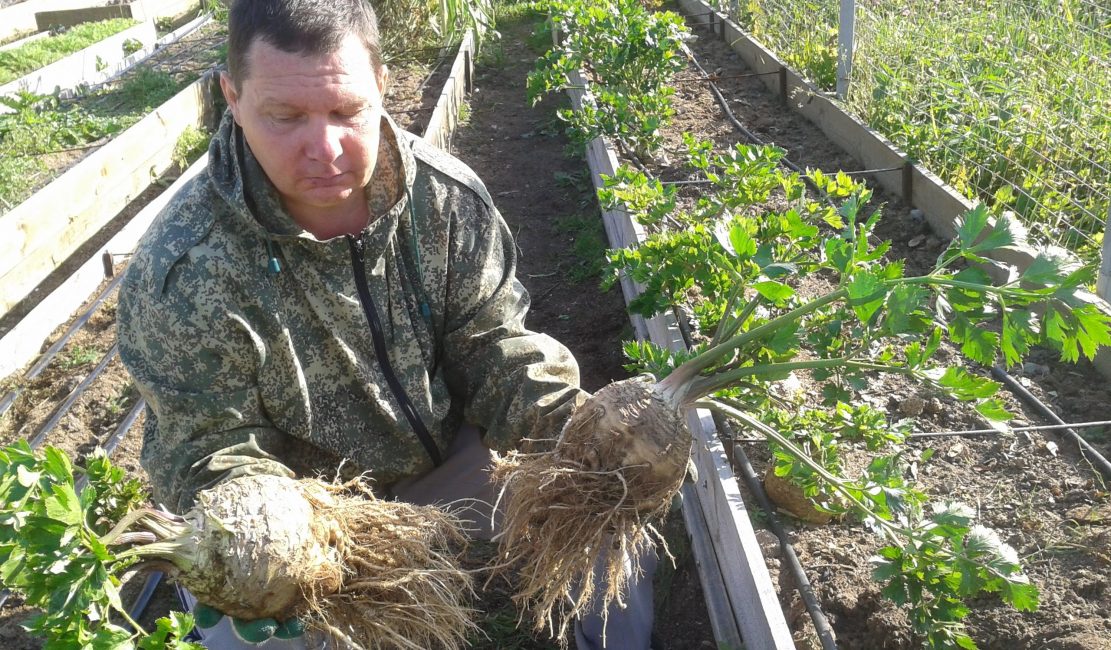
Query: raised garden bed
x=103, y=177
x=142, y=11
x=18, y=18
x=88, y=66
x=1031, y=487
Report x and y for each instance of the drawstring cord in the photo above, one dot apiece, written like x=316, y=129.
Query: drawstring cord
x=275, y=264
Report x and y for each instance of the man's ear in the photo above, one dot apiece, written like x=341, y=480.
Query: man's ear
x=382, y=76
x=231, y=95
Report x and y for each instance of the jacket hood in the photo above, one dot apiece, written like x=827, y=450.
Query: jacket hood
x=240, y=181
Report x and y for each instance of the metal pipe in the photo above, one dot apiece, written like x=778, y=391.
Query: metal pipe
x=74, y=394
x=846, y=33
x=1087, y=451
x=57, y=346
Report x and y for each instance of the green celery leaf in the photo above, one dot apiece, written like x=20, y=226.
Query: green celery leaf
x=1047, y=268
x=1023, y=596
x=776, y=292
x=904, y=310
x=64, y=505
x=993, y=409
x=976, y=343
x=866, y=295
x=971, y=225
x=56, y=465
x=964, y=385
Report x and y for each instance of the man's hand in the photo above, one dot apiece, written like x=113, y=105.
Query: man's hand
x=256, y=631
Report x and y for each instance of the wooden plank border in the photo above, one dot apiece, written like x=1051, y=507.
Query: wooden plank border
x=21, y=17
x=91, y=65
x=22, y=343
x=756, y=612
x=40, y=233
x=445, y=116
x=142, y=10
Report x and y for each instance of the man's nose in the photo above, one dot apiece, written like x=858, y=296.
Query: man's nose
x=323, y=141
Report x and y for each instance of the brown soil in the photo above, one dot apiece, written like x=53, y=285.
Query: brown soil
x=1029, y=487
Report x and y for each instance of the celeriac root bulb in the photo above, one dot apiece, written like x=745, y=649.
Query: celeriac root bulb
x=618, y=462
x=361, y=571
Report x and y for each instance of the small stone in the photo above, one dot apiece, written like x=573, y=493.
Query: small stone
x=1035, y=369
x=915, y=242
x=769, y=543
x=954, y=451
x=934, y=406
x=917, y=215
x=912, y=406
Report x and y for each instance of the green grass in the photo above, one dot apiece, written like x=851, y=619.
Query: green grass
x=1009, y=101
x=588, y=247
x=190, y=145
x=42, y=127
x=80, y=355
x=31, y=56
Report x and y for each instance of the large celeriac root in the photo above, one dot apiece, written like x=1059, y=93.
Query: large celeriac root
x=618, y=463
x=363, y=572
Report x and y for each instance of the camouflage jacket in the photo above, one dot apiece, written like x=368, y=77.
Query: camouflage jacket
x=246, y=370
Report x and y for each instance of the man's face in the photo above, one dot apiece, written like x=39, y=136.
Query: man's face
x=311, y=121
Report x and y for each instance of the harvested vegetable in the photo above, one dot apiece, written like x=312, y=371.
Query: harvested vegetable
x=361, y=571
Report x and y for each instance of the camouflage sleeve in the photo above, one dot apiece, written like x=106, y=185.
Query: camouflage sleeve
x=195, y=364
x=517, y=383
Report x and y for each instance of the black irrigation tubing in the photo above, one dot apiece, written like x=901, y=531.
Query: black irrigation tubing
x=1094, y=458
x=802, y=583
x=52, y=351
x=113, y=441
x=737, y=123
x=143, y=599
x=74, y=394
x=979, y=432
x=719, y=77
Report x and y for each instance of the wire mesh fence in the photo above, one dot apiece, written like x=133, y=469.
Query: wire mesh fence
x=1008, y=100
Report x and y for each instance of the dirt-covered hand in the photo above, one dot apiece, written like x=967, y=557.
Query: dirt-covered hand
x=252, y=631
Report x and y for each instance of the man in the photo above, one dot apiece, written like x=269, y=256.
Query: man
x=333, y=288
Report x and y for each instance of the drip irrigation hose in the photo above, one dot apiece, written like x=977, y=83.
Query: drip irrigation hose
x=802, y=583
x=982, y=432
x=755, y=139
x=74, y=394
x=143, y=599
x=117, y=436
x=1087, y=451
x=57, y=346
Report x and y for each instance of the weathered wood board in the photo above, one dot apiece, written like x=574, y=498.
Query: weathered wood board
x=40, y=233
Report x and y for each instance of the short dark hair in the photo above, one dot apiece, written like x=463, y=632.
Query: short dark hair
x=312, y=27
